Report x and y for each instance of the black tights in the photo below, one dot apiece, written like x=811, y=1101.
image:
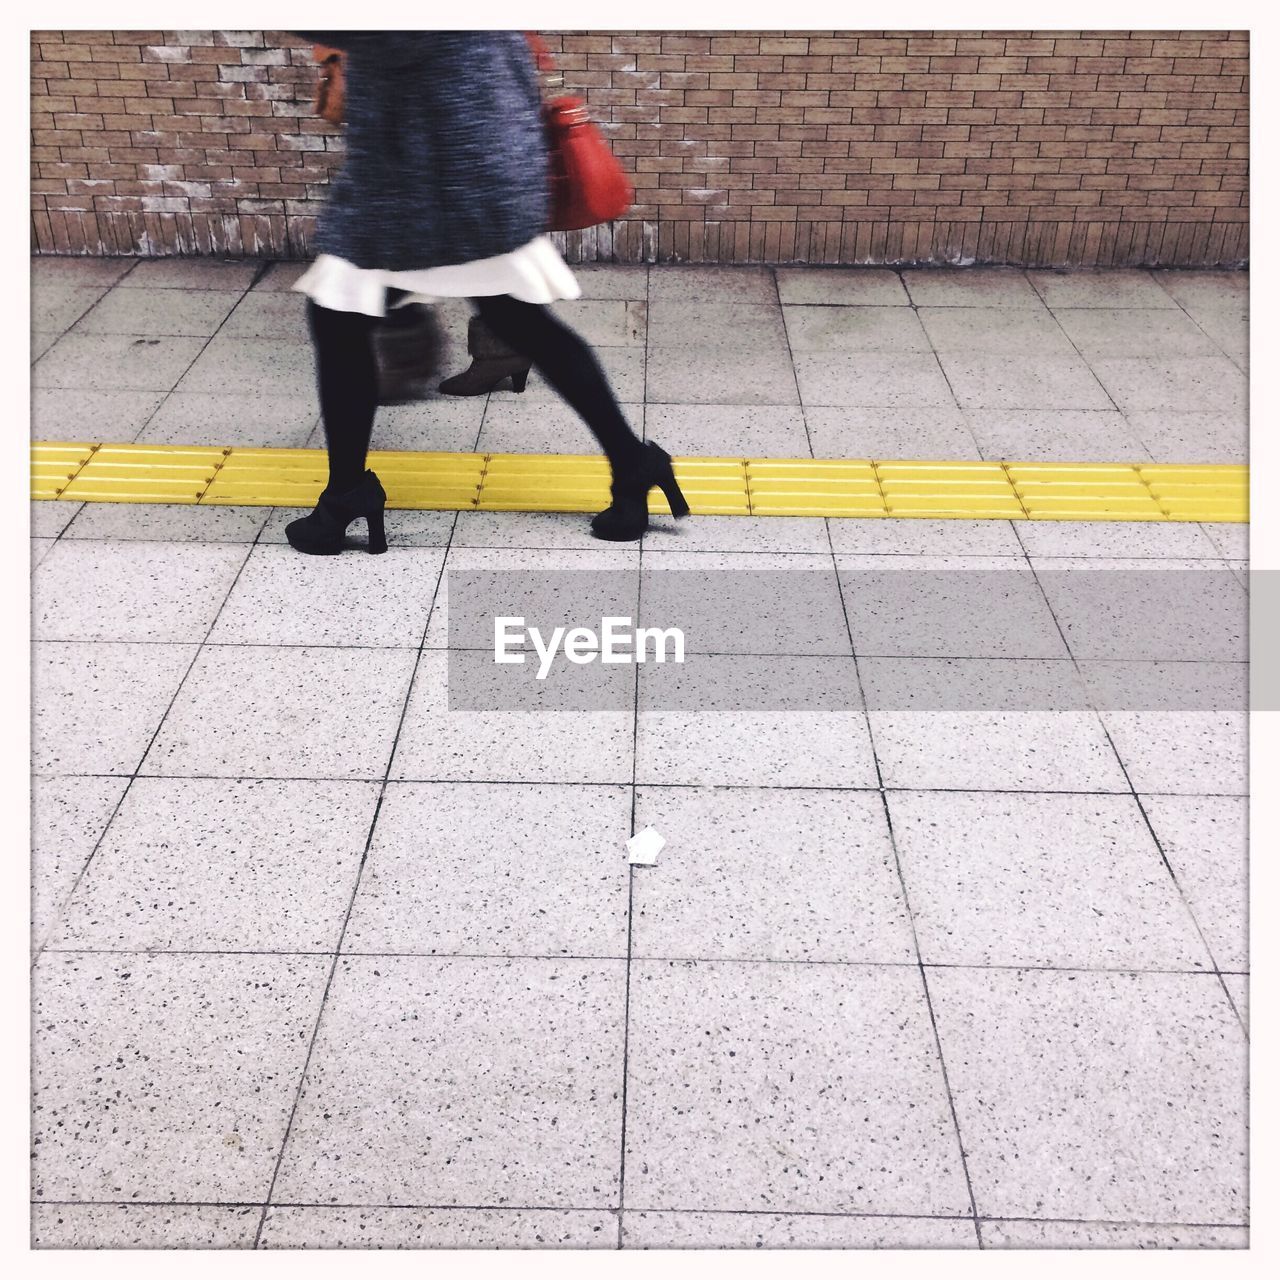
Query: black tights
x=348, y=379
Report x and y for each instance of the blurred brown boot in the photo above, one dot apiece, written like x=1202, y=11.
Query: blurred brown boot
x=492, y=362
x=408, y=346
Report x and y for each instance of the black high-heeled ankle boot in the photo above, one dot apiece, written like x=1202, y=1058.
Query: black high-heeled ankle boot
x=627, y=517
x=324, y=531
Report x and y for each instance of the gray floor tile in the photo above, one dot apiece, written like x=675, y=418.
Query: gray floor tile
x=1193, y=383
x=268, y=313
x=926, y=537
x=68, y=270
x=872, y=380
x=538, y=1044
x=266, y=711
x=1134, y=539
x=158, y=591
x=1096, y=1095
x=68, y=815
x=717, y=327
x=1206, y=841
x=40, y=343
x=143, y=1226
x=1170, y=435
x=945, y=607
x=516, y=427
x=282, y=597
x=612, y=280
x=1228, y=330
x=96, y=706
x=1117, y=333
x=40, y=547
x=998, y=331
x=1055, y=435
x=542, y=530
x=281, y=276
x=439, y=744
x=952, y=287
x=1238, y=985
x=1016, y=382
x=377, y=1228
x=198, y=864
x=713, y=284
x=686, y=376
x=641, y=1230
x=854, y=329
x=1165, y=748
x=232, y=417
x=160, y=522
x=1109, y=287
x=1023, y=1234
x=728, y=430
x=606, y=322
x=61, y=413
x=404, y=528
x=747, y=534
x=844, y=286
x=704, y=724
x=1044, y=880
x=185, y=1035
x=1195, y=289
x=157, y=313
x=940, y=724
x=192, y=273
x=495, y=869
x=752, y=874
x=624, y=367
x=261, y=366
x=56, y=307
x=836, y=1066
x=433, y=426
x=1231, y=540
x=115, y=362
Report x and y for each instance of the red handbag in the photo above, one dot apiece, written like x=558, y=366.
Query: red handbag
x=588, y=185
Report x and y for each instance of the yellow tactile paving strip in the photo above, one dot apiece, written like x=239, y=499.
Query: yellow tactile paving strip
x=714, y=486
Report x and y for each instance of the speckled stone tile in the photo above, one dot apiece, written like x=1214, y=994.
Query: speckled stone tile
x=143, y=1226
x=1054, y=435
x=649, y=1230
x=786, y=1088
x=728, y=430
x=158, y=590
x=157, y=313
x=1238, y=986
x=232, y=416
x=488, y=869
x=68, y=815
x=687, y=375
x=314, y=1227
x=517, y=426
x=1196, y=289
x=115, y=362
x=1062, y=881
x=1167, y=749
x=251, y=711
x=843, y=286
x=703, y=723
x=96, y=706
x=750, y=535
x=932, y=432
x=1023, y=1234
x=612, y=280
x=60, y=413
x=268, y=313
x=437, y=744
x=425, y=426
x=1097, y=1095
x=945, y=607
x=50, y=517
x=752, y=874
x=269, y=366
x=1187, y=383
x=1231, y=540
x=1206, y=840
x=624, y=367
x=192, y=273
x=41, y=343
x=56, y=307
x=1132, y=539
x=487, y=1082
x=940, y=723
x=280, y=275
x=282, y=597
x=73, y=269
x=1171, y=435
x=539, y=530
x=204, y=864
x=715, y=327
x=1032, y=334
x=161, y=522
x=874, y=379
x=959, y=287
x=1109, y=288
x=713, y=284
x=40, y=547
x=855, y=329
x=1146, y=610
x=404, y=529
x=166, y=1077
x=925, y=537
x=1122, y=333
x=995, y=381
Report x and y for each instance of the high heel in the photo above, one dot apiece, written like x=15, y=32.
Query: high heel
x=492, y=362
x=324, y=531
x=627, y=517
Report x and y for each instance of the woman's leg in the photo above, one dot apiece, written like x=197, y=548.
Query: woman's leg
x=570, y=366
x=347, y=373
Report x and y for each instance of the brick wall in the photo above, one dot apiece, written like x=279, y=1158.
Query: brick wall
x=1048, y=148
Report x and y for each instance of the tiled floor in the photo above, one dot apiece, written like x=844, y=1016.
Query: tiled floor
x=319, y=962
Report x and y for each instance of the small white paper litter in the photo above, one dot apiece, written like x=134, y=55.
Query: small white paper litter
x=643, y=848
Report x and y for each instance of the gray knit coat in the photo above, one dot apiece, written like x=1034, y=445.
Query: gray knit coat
x=445, y=153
